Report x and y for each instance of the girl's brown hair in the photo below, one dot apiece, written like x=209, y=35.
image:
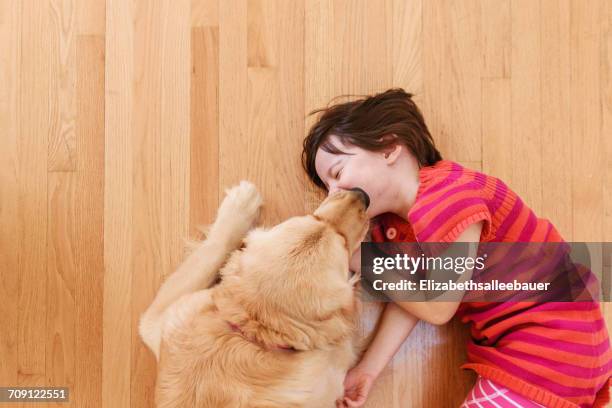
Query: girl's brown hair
x=368, y=123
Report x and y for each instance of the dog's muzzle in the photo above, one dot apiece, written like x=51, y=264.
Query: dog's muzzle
x=363, y=196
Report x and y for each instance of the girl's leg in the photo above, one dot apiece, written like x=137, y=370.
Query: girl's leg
x=489, y=394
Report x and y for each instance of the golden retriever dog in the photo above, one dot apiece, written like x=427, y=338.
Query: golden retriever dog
x=260, y=317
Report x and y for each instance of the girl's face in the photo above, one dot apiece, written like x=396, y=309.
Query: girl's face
x=368, y=170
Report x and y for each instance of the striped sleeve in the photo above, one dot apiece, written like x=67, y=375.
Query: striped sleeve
x=444, y=211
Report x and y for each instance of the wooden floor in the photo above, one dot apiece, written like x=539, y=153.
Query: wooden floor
x=122, y=123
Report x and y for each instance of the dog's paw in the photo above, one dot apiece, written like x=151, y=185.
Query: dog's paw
x=241, y=205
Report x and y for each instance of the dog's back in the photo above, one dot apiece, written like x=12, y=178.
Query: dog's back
x=204, y=363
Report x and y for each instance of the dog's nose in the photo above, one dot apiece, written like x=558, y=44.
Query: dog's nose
x=363, y=196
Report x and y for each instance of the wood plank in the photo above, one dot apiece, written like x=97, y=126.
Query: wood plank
x=526, y=178
x=434, y=49
x=585, y=122
x=464, y=81
x=472, y=165
x=175, y=131
x=204, y=13
x=496, y=37
x=10, y=188
x=452, y=89
x=291, y=191
x=118, y=205
x=62, y=86
x=90, y=16
x=204, y=164
x=62, y=269
x=606, y=131
x=261, y=146
x=161, y=171
x=497, y=157
x=262, y=51
x=274, y=72
x=233, y=116
x=88, y=199
x=556, y=150
x=359, y=64
x=147, y=221
x=407, y=45
x=31, y=161
x=318, y=85
x=254, y=113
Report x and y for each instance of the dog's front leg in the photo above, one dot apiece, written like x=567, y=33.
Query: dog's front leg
x=236, y=215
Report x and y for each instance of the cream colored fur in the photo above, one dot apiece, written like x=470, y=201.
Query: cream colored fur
x=286, y=285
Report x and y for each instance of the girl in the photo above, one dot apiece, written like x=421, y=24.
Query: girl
x=526, y=354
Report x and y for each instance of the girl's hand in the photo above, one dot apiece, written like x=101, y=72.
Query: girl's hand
x=357, y=385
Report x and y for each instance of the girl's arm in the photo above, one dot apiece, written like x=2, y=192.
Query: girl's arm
x=437, y=312
x=434, y=312
x=395, y=326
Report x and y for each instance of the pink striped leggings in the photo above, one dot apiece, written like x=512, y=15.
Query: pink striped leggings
x=489, y=394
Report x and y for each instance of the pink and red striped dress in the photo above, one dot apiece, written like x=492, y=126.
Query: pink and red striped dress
x=557, y=353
